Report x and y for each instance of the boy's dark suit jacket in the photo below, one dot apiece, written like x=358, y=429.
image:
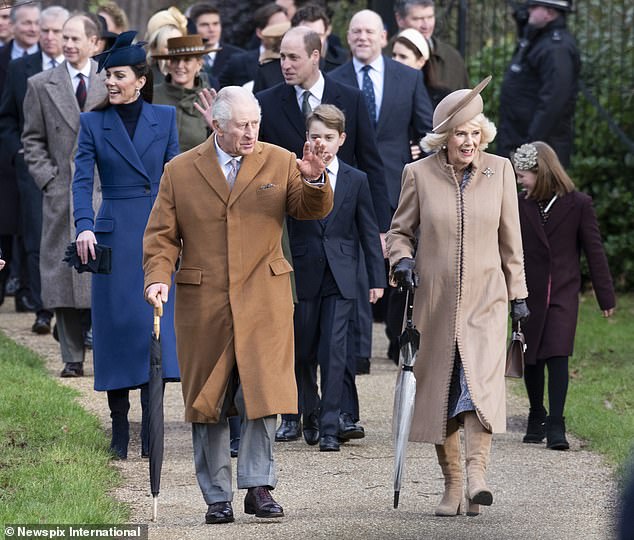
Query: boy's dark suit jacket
x=284, y=125
x=553, y=273
x=335, y=240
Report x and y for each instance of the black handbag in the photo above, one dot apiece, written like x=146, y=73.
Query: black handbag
x=515, y=354
x=101, y=264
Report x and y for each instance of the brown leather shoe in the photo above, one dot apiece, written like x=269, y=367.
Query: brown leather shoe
x=72, y=369
x=260, y=502
x=220, y=512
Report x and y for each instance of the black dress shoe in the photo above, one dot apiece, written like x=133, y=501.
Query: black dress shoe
x=328, y=443
x=42, y=325
x=260, y=502
x=72, y=369
x=289, y=430
x=220, y=512
x=311, y=428
x=348, y=429
x=234, y=446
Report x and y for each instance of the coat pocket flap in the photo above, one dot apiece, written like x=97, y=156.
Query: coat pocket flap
x=189, y=276
x=348, y=249
x=280, y=266
x=104, y=225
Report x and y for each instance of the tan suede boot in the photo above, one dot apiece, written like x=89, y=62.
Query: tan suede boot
x=449, y=461
x=477, y=449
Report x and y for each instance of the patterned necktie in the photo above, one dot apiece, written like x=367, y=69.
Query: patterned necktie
x=53, y=63
x=233, y=172
x=306, y=109
x=80, y=93
x=368, y=93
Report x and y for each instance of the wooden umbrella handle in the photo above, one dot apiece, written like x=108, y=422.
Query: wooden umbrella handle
x=158, y=313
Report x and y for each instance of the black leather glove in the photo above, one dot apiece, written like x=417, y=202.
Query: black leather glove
x=403, y=273
x=519, y=311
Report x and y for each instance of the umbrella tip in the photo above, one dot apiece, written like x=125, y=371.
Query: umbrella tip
x=396, y=495
x=155, y=509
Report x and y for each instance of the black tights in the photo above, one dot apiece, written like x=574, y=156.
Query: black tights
x=557, y=384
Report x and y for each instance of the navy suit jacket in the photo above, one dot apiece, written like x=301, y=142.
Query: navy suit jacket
x=405, y=110
x=223, y=56
x=11, y=112
x=335, y=240
x=240, y=68
x=284, y=125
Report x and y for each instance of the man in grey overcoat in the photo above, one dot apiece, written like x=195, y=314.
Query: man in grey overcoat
x=52, y=104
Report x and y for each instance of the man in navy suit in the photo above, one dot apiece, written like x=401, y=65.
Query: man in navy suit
x=325, y=258
x=284, y=108
x=401, y=111
x=206, y=18
x=11, y=123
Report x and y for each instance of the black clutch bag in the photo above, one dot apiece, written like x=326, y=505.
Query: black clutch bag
x=101, y=264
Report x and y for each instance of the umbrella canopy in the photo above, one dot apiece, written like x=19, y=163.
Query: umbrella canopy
x=404, y=395
x=156, y=430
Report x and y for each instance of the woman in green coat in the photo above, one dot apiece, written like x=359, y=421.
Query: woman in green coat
x=181, y=87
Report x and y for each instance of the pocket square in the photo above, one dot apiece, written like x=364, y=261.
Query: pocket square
x=101, y=264
x=267, y=186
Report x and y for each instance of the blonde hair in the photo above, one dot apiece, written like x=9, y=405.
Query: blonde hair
x=433, y=142
x=551, y=177
x=158, y=42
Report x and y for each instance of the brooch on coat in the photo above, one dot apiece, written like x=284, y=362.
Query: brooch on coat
x=488, y=172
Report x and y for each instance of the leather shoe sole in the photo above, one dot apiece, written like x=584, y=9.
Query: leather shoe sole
x=357, y=433
x=219, y=513
x=72, y=370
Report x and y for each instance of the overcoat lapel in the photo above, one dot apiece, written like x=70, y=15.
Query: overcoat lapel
x=291, y=110
x=391, y=85
x=146, y=130
x=530, y=209
x=251, y=164
x=208, y=166
x=60, y=89
x=96, y=88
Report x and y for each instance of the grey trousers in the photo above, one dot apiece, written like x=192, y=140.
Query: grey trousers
x=70, y=331
x=212, y=459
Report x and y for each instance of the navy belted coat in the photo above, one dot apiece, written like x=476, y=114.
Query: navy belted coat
x=130, y=172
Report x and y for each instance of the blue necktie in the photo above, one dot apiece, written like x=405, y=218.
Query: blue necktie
x=368, y=94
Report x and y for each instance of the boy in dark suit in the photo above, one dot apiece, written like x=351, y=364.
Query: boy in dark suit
x=325, y=259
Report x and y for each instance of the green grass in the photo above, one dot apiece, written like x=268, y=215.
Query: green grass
x=54, y=461
x=600, y=404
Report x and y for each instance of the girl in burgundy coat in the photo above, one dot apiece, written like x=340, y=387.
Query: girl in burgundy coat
x=557, y=223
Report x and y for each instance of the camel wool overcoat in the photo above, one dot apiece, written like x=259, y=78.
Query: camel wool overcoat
x=233, y=295
x=468, y=252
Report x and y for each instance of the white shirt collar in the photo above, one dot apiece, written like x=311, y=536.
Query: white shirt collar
x=18, y=52
x=316, y=90
x=46, y=60
x=85, y=71
x=333, y=172
x=223, y=157
x=378, y=64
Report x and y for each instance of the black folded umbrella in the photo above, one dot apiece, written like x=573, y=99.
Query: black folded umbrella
x=157, y=427
x=101, y=264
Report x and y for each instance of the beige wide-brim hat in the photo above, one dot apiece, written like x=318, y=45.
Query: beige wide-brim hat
x=276, y=30
x=171, y=16
x=186, y=46
x=459, y=107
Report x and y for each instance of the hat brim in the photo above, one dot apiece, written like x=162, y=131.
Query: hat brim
x=205, y=51
x=440, y=128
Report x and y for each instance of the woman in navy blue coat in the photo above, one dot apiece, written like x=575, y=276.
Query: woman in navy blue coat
x=129, y=140
x=557, y=223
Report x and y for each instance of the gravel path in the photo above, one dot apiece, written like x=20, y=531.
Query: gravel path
x=538, y=493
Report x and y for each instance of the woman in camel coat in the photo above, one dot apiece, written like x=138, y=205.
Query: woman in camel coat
x=457, y=226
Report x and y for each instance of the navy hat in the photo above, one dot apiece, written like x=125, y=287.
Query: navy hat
x=122, y=53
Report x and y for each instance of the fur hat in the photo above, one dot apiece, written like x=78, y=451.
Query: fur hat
x=459, y=107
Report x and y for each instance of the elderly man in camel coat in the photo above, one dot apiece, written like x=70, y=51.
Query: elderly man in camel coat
x=234, y=308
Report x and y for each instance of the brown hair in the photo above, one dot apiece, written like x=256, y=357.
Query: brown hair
x=551, y=176
x=117, y=15
x=332, y=117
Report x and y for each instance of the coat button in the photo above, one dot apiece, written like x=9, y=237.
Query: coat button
x=146, y=188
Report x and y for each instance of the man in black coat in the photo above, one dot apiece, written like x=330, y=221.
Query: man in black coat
x=206, y=19
x=539, y=90
x=11, y=123
x=26, y=32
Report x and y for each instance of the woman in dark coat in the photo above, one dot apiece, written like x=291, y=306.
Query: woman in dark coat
x=557, y=224
x=129, y=140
